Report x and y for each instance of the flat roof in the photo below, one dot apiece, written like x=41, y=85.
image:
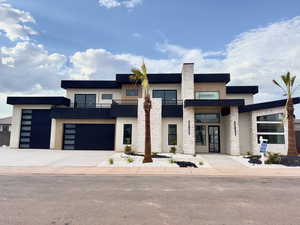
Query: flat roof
x=90, y=84
x=241, y=89
x=32, y=100
x=266, y=105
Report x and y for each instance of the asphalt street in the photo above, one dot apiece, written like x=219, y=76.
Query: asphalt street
x=120, y=200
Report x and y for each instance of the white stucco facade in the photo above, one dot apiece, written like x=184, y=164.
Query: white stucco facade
x=237, y=132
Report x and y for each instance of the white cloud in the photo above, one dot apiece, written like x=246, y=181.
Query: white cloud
x=116, y=3
x=27, y=66
x=13, y=22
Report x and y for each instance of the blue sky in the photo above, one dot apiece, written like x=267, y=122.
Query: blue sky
x=255, y=41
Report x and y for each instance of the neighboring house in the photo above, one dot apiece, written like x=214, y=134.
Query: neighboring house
x=5, y=125
x=197, y=113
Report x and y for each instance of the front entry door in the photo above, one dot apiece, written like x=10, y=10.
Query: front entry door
x=214, y=139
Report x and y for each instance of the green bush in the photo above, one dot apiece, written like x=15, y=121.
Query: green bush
x=111, y=161
x=172, y=161
x=130, y=160
x=201, y=163
x=154, y=153
x=249, y=153
x=173, y=150
x=128, y=149
x=273, y=158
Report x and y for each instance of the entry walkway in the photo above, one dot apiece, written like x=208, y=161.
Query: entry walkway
x=221, y=161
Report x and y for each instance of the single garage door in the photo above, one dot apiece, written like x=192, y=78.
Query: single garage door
x=89, y=137
x=35, y=129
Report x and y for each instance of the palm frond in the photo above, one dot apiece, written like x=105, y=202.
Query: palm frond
x=279, y=85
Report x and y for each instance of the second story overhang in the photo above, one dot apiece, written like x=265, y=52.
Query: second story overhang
x=213, y=102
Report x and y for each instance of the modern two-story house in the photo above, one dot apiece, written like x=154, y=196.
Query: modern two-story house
x=197, y=113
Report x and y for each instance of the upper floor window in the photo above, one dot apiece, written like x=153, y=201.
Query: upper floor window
x=207, y=95
x=85, y=100
x=132, y=92
x=106, y=96
x=167, y=96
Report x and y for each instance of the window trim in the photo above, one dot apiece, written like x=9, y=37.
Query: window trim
x=124, y=138
x=171, y=134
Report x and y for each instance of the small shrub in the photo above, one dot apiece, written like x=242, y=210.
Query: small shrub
x=273, y=158
x=173, y=150
x=130, y=160
x=195, y=155
x=128, y=149
x=172, y=161
x=154, y=153
x=111, y=161
x=249, y=153
x=200, y=163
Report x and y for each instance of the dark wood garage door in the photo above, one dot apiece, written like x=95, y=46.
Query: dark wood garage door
x=89, y=137
x=35, y=129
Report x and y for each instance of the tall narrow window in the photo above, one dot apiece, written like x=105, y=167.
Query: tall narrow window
x=172, y=134
x=200, y=133
x=127, y=134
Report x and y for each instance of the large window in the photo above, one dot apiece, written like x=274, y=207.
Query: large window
x=200, y=134
x=132, y=92
x=127, y=134
x=167, y=96
x=270, y=127
x=172, y=134
x=207, y=95
x=207, y=118
x=85, y=100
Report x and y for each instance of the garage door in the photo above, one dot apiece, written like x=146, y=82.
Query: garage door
x=35, y=129
x=89, y=137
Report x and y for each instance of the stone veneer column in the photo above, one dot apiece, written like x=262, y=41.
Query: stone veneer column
x=53, y=134
x=234, y=133
x=155, y=123
x=188, y=120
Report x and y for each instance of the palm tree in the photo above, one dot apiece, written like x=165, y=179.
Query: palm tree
x=140, y=75
x=288, y=89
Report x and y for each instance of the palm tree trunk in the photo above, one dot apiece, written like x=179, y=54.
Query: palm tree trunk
x=147, y=108
x=292, y=150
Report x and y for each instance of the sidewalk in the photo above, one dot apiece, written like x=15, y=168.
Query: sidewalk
x=155, y=171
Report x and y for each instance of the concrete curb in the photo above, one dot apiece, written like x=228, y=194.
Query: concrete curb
x=151, y=171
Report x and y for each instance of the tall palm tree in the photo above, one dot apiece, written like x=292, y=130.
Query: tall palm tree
x=141, y=76
x=288, y=89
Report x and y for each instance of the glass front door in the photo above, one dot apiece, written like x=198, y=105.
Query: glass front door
x=214, y=139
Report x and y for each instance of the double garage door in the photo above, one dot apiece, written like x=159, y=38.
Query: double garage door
x=36, y=130
x=89, y=137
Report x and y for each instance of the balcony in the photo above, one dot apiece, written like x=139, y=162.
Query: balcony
x=118, y=108
x=172, y=108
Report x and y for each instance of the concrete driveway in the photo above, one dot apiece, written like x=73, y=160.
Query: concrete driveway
x=49, y=158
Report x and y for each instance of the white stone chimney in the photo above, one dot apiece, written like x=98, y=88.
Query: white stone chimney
x=188, y=120
x=187, y=83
